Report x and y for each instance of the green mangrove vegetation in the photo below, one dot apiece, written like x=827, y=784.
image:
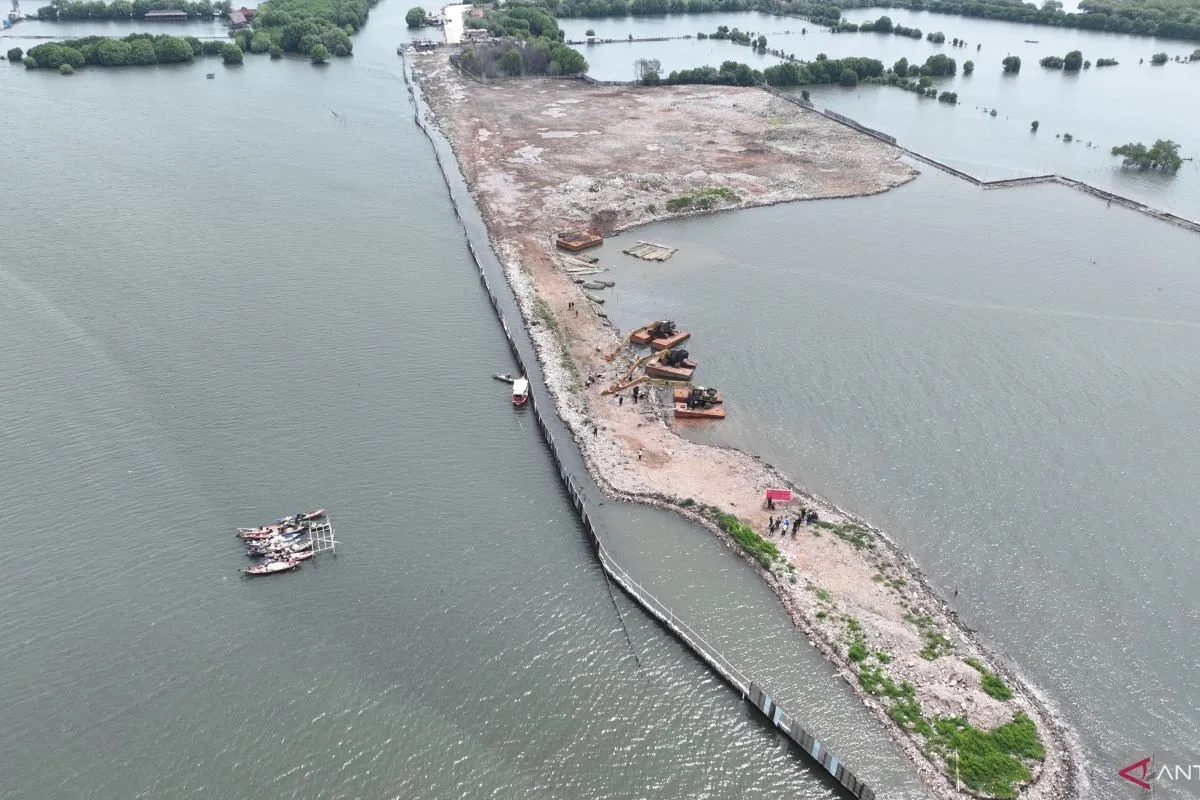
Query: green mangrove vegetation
x=70, y=10
x=1072, y=62
x=1163, y=155
x=416, y=17
x=136, y=49
x=531, y=43
x=1012, y=64
x=15, y=54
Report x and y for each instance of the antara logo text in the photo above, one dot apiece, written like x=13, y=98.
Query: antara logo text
x=1146, y=774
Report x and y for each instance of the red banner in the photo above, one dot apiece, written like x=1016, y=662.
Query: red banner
x=779, y=495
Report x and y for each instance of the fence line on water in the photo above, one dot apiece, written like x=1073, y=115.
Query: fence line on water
x=718, y=662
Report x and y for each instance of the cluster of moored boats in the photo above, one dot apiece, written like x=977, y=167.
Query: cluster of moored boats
x=281, y=546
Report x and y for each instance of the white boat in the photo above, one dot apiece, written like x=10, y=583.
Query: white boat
x=520, y=391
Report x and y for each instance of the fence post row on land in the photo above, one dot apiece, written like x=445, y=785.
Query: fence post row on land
x=707, y=653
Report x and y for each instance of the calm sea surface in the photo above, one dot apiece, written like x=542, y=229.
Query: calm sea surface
x=1005, y=381
x=1101, y=106
x=224, y=300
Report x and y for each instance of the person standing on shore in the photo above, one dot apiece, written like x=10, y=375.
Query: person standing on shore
x=787, y=522
x=620, y=399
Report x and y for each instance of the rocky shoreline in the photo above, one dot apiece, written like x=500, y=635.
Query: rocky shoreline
x=845, y=584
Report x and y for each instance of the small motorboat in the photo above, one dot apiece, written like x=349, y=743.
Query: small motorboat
x=505, y=377
x=520, y=392
x=270, y=567
x=211, y=75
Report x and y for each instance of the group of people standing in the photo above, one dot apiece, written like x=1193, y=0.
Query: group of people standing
x=807, y=516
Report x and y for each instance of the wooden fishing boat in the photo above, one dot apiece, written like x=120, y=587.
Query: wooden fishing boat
x=504, y=377
x=283, y=522
x=270, y=548
x=269, y=531
x=271, y=567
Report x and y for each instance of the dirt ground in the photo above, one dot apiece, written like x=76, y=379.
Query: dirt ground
x=545, y=155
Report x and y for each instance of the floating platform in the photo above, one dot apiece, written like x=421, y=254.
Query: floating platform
x=656, y=369
x=681, y=396
x=713, y=412
x=641, y=337
x=670, y=341
x=577, y=240
x=650, y=251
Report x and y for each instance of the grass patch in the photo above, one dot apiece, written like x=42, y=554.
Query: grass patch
x=822, y=614
x=911, y=716
x=702, y=199
x=873, y=681
x=990, y=682
x=856, y=535
x=882, y=657
x=687, y=502
x=824, y=596
x=763, y=551
x=936, y=645
x=995, y=686
x=858, y=651
x=545, y=314
x=990, y=763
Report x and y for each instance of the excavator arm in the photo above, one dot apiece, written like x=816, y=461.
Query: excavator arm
x=643, y=380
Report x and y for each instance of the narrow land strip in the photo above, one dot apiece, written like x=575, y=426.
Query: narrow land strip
x=547, y=155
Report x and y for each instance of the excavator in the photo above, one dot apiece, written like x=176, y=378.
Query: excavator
x=672, y=357
x=662, y=329
x=698, y=397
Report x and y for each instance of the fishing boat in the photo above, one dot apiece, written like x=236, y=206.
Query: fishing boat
x=297, y=518
x=273, y=548
x=520, y=391
x=504, y=377
x=272, y=530
x=271, y=567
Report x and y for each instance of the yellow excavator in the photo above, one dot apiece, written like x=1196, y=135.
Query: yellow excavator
x=642, y=380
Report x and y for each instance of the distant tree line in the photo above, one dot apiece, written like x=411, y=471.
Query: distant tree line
x=129, y=9
x=1177, y=19
x=848, y=71
x=882, y=25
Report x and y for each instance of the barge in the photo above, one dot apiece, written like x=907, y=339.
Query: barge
x=684, y=411
x=577, y=240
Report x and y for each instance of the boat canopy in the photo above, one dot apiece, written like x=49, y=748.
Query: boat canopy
x=521, y=386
